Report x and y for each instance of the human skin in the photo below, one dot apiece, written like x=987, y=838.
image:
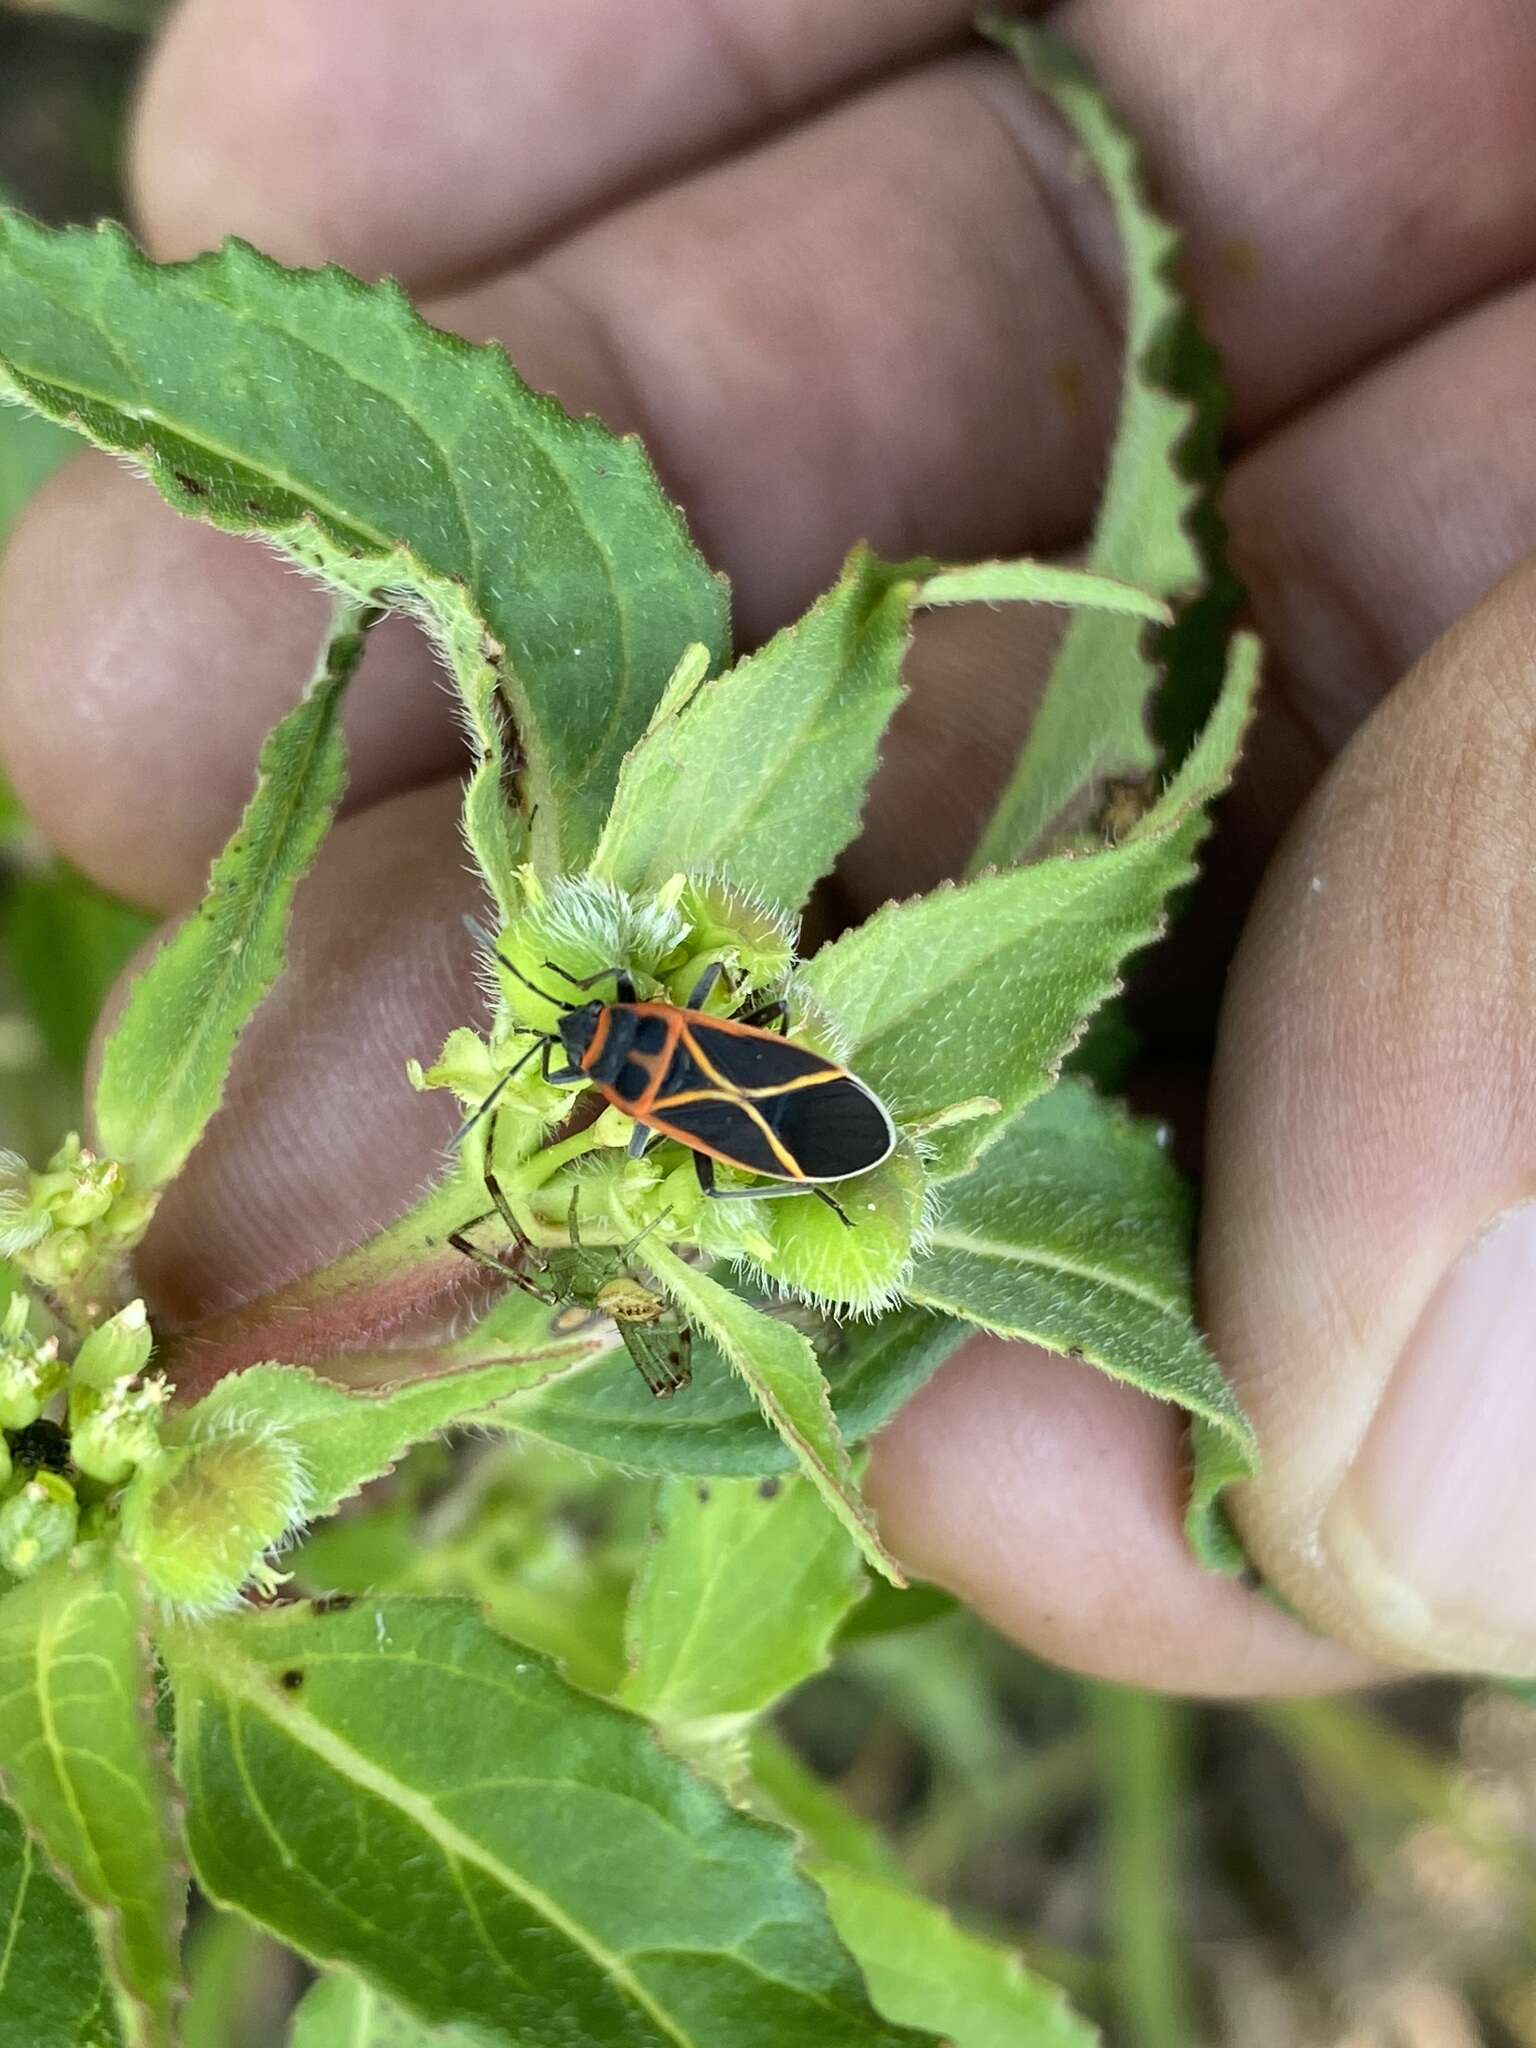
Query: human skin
x=834, y=263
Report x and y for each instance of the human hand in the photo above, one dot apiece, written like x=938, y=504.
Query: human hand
x=833, y=264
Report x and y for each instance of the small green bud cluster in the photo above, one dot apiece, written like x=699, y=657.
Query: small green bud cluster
x=39, y=1519
x=31, y=1371
x=56, y=1475
x=72, y=1218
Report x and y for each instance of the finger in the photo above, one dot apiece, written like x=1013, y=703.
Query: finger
x=143, y=658
x=433, y=141
x=1343, y=184
x=1369, y=1245
x=321, y=1140
x=1371, y=522
x=1051, y=1500
x=781, y=471
x=864, y=413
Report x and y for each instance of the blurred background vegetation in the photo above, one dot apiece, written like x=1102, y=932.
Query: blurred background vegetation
x=1329, y=1874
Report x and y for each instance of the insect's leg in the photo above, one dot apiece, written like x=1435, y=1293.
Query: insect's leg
x=573, y=1217
x=624, y=986
x=642, y=1139
x=566, y=1074
x=772, y=1016
x=460, y=1241
x=835, y=1206
x=491, y=1100
x=779, y=1191
x=704, y=987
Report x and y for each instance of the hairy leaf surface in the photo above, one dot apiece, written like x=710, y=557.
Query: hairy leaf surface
x=166, y=1063
x=981, y=990
x=715, y=1425
x=1073, y=1232
x=759, y=776
x=568, y=1882
x=782, y=1371
x=78, y=1759
x=1094, y=725
x=347, y=1437
x=326, y=416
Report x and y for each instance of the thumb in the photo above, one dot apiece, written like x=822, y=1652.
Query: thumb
x=1368, y=1257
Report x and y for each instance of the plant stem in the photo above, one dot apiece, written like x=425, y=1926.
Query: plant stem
x=1142, y=1742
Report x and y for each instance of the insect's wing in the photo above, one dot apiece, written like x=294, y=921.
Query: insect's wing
x=833, y=1131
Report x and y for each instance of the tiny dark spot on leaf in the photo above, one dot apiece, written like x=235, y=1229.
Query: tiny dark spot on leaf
x=190, y=484
x=291, y=1681
x=704, y=1493
x=769, y=1489
x=335, y=1603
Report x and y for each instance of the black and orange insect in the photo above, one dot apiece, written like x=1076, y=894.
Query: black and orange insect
x=734, y=1090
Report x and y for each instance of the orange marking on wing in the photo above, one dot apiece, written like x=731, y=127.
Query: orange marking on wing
x=792, y=1170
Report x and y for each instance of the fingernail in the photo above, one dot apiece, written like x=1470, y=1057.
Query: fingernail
x=1435, y=1521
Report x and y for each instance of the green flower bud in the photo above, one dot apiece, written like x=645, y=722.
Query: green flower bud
x=116, y=1428
x=811, y=1254
x=30, y=1373
x=75, y=1214
x=117, y=1350
x=200, y=1518
x=752, y=939
x=37, y=1524
x=582, y=924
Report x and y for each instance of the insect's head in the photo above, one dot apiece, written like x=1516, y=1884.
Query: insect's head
x=578, y=1028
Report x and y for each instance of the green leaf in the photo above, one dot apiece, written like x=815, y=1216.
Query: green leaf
x=715, y=1426
x=52, y=1992
x=78, y=1757
x=759, y=776
x=779, y=1366
x=1216, y=1462
x=342, y=2012
x=1023, y=957
x=1026, y=582
x=1154, y=530
x=164, y=1067
x=1073, y=1232
x=567, y=1881
x=785, y=1789
x=739, y=1599
x=68, y=943
x=924, y=1971
x=347, y=1437
x=327, y=417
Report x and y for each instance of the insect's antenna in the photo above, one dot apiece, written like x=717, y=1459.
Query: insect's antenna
x=487, y=939
x=490, y=1101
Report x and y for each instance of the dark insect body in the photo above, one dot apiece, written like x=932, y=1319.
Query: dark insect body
x=729, y=1088
x=586, y=1281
